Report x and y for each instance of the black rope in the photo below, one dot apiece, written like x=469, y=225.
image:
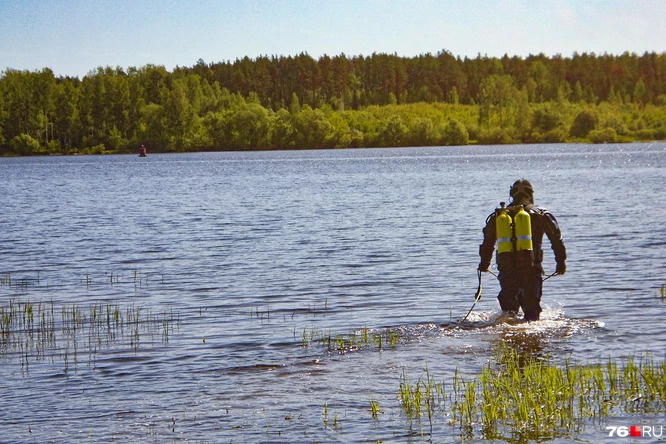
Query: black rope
x=476, y=299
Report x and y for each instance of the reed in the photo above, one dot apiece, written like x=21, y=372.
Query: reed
x=38, y=329
x=325, y=415
x=358, y=339
x=19, y=285
x=374, y=409
x=522, y=399
x=422, y=398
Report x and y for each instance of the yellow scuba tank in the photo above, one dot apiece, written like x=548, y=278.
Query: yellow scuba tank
x=503, y=227
x=523, y=226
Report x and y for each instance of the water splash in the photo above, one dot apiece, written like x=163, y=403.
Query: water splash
x=553, y=322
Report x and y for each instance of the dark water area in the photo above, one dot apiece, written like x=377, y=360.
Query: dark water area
x=229, y=272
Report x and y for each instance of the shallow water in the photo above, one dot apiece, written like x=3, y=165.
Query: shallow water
x=242, y=263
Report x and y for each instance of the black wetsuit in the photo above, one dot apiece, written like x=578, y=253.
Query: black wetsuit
x=520, y=275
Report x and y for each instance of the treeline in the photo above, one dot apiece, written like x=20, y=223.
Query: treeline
x=299, y=102
x=383, y=79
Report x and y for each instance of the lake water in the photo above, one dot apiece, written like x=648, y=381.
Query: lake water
x=235, y=266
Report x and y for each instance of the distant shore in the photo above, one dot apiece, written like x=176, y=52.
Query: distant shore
x=340, y=102
x=251, y=127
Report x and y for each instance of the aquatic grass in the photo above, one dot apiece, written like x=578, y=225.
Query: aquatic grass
x=520, y=399
x=19, y=285
x=358, y=339
x=33, y=329
x=374, y=409
x=420, y=398
x=259, y=314
x=325, y=415
x=89, y=280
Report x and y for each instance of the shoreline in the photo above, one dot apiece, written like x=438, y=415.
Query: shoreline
x=471, y=144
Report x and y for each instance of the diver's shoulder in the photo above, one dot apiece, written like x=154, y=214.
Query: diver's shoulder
x=538, y=209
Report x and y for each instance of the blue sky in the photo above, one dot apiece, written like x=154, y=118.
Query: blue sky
x=76, y=36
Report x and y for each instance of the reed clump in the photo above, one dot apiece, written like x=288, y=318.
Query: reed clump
x=422, y=398
x=35, y=330
x=20, y=284
x=342, y=343
x=520, y=399
x=375, y=410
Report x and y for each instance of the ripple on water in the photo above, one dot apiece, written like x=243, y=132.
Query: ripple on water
x=252, y=251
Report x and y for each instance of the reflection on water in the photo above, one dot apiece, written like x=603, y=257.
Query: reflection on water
x=299, y=280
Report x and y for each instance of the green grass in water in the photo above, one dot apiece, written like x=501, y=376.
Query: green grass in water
x=519, y=398
x=35, y=330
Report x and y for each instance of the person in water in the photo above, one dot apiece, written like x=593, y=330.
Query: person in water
x=518, y=258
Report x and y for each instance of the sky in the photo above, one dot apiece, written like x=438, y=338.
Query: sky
x=74, y=37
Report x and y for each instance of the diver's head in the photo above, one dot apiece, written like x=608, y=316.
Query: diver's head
x=522, y=192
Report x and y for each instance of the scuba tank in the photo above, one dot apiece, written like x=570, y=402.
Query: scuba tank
x=513, y=234
x=503, y=226
x=523, y=226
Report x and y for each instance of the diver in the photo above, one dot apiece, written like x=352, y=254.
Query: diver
x=518, y=231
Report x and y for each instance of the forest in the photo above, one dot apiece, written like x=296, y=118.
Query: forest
x=298, y=102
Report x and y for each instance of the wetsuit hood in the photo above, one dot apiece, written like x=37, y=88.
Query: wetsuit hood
x=522, y=193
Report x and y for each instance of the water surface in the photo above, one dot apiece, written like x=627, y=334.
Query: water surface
x=241, y=255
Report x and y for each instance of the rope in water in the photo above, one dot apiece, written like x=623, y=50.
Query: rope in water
x=476, y=299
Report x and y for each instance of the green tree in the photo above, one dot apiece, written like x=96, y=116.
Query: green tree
x=455, y=133
x=584, y=122
x=497, y=100
x=282, y=130
x=24, y=145
x=641, y=94
x=547, y=124
x=312, y=129
x=3, y=117
x=295, y=106
x=538, y=72
x=180, y=119
x=577, y=94
x=453, y=96
x=546, y=118
x=42, y=90
x=66, y=115
x=216, y=129
x=19, y=104
x=153, y=129
x=421, y=131
x=605, y=135
x=249, y=127
x=522, y=118
x=392, y=132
